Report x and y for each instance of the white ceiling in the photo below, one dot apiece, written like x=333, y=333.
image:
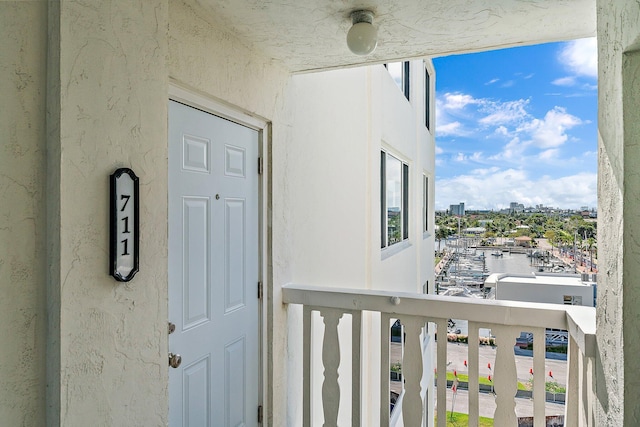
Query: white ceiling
x=308, y=35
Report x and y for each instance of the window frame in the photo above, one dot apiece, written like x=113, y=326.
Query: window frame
x=404, y=204
x=427, y=101
x=405, y=77
x=425, y=203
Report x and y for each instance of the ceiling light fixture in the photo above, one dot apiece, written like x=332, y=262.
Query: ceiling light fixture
x=362, y=38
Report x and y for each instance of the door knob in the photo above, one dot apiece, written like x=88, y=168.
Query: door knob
x=174, y=360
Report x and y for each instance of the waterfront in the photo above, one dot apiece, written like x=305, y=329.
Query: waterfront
x=463, y=270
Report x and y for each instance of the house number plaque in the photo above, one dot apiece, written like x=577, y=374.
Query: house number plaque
x=124, y=225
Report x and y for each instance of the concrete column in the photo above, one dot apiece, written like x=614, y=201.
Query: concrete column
x=23, y=43
x=618, y=312
x=107, y=101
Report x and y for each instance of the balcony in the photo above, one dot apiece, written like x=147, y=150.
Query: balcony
x=506, y=320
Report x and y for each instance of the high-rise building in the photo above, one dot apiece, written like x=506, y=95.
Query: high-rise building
x=457, y=209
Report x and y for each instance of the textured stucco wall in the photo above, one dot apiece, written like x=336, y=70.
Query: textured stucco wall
x=22, y=212
x=206, y=57
x=617, y=364
x=107, y=340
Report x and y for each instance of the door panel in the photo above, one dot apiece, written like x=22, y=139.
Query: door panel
x=213, y=270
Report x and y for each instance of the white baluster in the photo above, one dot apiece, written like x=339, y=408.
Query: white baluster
x=412, y=371
x=356, y=358
x=385, y=324
x=306, y=366
x=505, y=379
x=539, y=375
x=442, y=372
x=473, y=367
x=331, y=363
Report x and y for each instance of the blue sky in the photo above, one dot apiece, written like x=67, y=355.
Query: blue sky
x=517, y=125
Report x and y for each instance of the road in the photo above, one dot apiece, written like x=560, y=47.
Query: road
x=456, y=355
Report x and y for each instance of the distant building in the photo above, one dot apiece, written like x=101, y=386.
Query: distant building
x=515, y=207
x=475, y=230
x=457, y=209
x=569, y=289
x=524, y=241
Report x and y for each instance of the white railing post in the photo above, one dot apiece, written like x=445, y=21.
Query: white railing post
x=505, y=381
x=571, y=414
x=589, y=391
x=473, y=344
x=306, y=366
x=441, y=388
x=356, y=368
x=385, y=396
x=539, y=376
x=412, y=371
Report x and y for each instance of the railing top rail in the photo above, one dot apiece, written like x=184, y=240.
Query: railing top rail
x=582, y=327
x=580, y=321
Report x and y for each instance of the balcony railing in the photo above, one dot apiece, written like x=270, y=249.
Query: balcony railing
x=506, y=319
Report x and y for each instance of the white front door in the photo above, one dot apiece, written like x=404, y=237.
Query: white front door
x=213, y=270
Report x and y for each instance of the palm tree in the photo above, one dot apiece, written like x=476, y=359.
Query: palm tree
x=591, y=245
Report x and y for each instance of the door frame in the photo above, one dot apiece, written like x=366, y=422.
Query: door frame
x=220, y=108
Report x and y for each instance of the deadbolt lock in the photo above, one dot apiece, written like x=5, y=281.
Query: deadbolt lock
x=172, y=328
x=174, y=360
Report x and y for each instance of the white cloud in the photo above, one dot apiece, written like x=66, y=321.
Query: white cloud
x=501, y=130
x=581, y=57
x=551, y=131
x=508, y=185
x=457, y=101
x=462, y=157
x=492, y=81
x=501, y=113
x=512, y=151
x=549, y=154
x=564, y=81
x=450, y=129
x=439, y=150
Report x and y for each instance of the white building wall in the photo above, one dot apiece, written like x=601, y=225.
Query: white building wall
x=543, y=293
x=342, y=120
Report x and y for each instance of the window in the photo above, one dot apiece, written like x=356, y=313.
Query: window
x=427, y=99
x=572, y=300
x=425, y=203
x=400, y=73
x=394, y=200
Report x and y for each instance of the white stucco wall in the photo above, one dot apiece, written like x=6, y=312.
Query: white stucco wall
x=22, y=212
x=342, y=120
x=107, y=100
x=617, y=364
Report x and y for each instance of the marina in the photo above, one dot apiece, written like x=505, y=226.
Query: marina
x=463, y=270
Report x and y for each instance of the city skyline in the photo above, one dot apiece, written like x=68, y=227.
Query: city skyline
x=517, y=124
